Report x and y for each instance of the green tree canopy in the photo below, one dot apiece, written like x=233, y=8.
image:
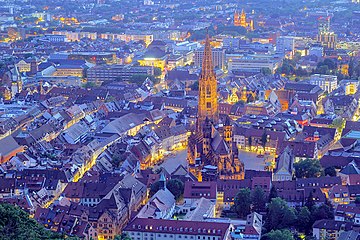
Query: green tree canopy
x=308, y=168
x=157, y=71
x=16, y=224
x=280, y=215
x=323, y=211
x=266, y=71
x=330, y=171
x=273, y=193
x=278, y=235
x=264, y=139
x=154, y=188
x=195, y=86
x=304, y=222
x=176, y=187
x=310, y=203
x=258, y=199
x=242, y=202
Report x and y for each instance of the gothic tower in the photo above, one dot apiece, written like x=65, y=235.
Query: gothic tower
x=228, y=132
x=208, y=101
x=236, y=18
x=243, y=19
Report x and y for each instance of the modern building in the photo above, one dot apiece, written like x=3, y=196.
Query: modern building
x=285, y=44
x=218, y=58
x=105, y=73
x=128, y=37
x=327, y=83
x=252, y=63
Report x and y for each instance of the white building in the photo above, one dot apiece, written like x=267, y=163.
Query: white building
x=252, y=63
x=218, y=58
x=285, y=44
x=325, y=82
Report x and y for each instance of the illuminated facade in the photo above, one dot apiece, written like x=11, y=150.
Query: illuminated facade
x=153, y=62
x=327, y=38
x=240, y=21
x=212, y=153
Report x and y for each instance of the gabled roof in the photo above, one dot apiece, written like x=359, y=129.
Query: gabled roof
x=332, y=225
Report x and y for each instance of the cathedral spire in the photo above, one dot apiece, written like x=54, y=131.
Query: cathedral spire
x=208, y=105
x=207, y=64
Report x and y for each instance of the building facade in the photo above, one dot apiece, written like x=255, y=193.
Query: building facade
x=212, y=153
x=105, y=73
x=325, y=82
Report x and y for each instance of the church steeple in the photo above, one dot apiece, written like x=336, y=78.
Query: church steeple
x=243, y=19
x=208, y=102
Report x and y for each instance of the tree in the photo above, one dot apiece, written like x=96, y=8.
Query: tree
x=195, y=86
x=258, y=199
x=289, y=218
x=308, y=168
x=357, y=70
x=330, y=63
x=273, y=193
x=250, y=141
x=330, y=171
x=327, y=66
x=323, y=211
x=264, y=139
x=176, y=187
x=266, y=71
x=157, y=71
x=123, y=236
x=278, y=235
x=242, y=202
x=322, y=69
x=116, y=159
x=16, y=224
x=310, y=203
x=89, y=85
x=279, y=215
x=301, y=72
x=351, y=67
x=339, y=124
x=304, y=220
x=154, y=188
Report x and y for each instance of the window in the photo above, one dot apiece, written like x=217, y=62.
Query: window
x=208, y=105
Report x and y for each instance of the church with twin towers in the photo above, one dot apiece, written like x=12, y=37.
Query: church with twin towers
x=212, y=153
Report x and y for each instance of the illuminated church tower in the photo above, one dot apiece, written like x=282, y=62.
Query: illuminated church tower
x=240, y=20
x=243, y=19
x=208, y=101
x=212, y=153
